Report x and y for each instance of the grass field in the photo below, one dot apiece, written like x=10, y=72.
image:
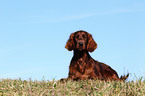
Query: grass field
x=9, y=87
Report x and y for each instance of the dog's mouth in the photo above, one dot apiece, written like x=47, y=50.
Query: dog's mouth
x=80, y=48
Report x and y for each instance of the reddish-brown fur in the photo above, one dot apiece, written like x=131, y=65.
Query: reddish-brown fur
x=82, y=65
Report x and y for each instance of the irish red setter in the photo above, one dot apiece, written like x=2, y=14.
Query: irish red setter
x=82, y=65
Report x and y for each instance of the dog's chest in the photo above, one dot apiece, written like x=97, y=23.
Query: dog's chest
x=82, y=65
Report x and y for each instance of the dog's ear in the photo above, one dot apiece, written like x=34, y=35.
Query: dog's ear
x=92, y=45
x=70, y=43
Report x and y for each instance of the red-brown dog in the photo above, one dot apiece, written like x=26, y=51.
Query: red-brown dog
x=82, y=65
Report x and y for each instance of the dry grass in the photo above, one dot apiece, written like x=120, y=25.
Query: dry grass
x=57, y=88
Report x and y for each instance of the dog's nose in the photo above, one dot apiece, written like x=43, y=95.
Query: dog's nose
x=81, y=43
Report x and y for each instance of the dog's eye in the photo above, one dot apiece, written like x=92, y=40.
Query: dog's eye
x=76, y=36
x=84, y=36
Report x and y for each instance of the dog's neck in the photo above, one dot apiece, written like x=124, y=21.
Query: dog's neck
x=84, y=55
x=81, y=58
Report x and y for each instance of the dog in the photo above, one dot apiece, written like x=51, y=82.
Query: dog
x=82, y=65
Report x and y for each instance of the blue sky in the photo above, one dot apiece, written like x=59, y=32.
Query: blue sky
x=33, y=34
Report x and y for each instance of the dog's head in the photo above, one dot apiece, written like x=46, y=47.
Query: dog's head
x=81, y=40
